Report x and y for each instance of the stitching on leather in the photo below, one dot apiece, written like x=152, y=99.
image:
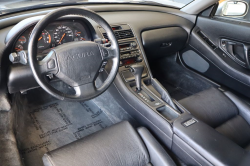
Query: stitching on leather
x=242, y=146
x=227, y=94
x=224, y=123
x=143, y=115
x=188, y=154
x=219, y=67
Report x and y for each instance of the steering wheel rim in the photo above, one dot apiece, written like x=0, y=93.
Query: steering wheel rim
x=85, y=89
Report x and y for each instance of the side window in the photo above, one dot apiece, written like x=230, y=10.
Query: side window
x=236, y=9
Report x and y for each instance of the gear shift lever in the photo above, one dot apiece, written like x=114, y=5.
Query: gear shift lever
x=137, y=72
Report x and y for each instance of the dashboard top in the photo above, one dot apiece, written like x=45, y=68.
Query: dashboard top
x=14, y=18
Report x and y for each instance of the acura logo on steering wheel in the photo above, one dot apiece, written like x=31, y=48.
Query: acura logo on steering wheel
x=80, y=55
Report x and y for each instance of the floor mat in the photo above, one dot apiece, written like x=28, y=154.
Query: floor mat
x=46, y=127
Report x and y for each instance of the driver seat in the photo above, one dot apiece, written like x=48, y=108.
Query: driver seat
x=118, y=145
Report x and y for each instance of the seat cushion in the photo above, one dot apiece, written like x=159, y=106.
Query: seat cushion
x=218, y=111
x=211, y=106
x=113, y=146
x=236, y=129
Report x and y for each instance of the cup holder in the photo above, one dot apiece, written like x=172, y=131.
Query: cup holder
x=168, y=112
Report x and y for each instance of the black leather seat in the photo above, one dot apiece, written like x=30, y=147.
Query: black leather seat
x=118, y=145
x=223, y=111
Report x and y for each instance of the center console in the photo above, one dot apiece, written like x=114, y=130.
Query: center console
x=134, y=73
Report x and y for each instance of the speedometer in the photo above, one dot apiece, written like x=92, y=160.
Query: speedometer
x=63, y=34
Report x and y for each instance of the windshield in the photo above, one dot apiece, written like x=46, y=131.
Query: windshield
x=20, y=5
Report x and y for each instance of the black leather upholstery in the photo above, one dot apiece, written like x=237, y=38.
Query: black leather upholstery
x=237, y=130
x=224, y=112
x=117, y=145
x=158, y=155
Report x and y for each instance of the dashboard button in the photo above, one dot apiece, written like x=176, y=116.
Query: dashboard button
x=105, y=52
x=51, y=64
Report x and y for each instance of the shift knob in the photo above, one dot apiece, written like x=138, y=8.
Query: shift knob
x=137, y=72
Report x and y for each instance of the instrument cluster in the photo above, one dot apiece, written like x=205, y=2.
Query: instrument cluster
x=55, y=34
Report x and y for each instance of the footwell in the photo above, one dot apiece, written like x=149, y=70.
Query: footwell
x=179, y=81
x=176, y=93
x=43, y=127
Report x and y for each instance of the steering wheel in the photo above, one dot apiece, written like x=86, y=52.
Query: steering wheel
x=76, y=63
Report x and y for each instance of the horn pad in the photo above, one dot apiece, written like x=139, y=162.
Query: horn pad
x=78, y=62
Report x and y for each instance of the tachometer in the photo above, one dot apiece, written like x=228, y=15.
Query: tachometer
x=63, y=34
x=44, y=40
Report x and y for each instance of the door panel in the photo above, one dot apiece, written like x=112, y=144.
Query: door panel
x=225, y=45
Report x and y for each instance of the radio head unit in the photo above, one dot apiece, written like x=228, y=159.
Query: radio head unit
x=130, y=53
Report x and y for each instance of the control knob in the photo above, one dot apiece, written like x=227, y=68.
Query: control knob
x=133, y=44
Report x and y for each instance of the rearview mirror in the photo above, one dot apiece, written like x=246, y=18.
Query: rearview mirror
x=235, y=8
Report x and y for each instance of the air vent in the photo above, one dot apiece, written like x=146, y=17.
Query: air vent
x=124, y=34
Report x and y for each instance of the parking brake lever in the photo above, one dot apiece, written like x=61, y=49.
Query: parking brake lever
x=137, y=72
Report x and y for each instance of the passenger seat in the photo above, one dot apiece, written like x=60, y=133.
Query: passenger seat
x=223, y=111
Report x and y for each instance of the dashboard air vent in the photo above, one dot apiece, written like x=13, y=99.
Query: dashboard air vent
x=123, y=34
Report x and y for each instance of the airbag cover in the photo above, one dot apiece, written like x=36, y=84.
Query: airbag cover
x=78, y=63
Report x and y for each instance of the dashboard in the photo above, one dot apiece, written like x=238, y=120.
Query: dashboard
x=127, y=29
x=56, y=33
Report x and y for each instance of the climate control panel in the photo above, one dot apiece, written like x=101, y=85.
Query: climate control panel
x=130, y=53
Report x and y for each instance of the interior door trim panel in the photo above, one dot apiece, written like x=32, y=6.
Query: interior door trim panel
x=228, y=66
x=217, y=57
x=222, y=28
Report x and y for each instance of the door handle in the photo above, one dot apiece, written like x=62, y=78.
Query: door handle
x=228, y=47
x=247, y=57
